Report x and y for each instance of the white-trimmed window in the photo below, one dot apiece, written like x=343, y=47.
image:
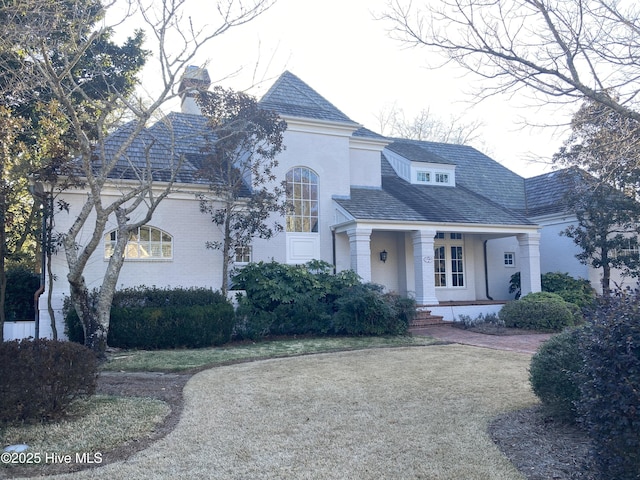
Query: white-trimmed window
x=146, y=243
x=423, y=177
x=509, y=259
x=442, y=178
x=302, y=193
x=449, y=268
x=243, y=255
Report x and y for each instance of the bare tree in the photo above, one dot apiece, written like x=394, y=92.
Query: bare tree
x=177, y=38
x=428, y=126
x=558, y=50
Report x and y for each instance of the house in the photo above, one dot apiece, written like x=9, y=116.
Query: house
x=548, y=206
x=443, y=223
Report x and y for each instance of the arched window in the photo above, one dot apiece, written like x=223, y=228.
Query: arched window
x=302, y=193
x=146, y=243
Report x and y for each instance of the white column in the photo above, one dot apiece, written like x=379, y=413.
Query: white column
x=529, y=262
x=360, y=248
x=423, y=267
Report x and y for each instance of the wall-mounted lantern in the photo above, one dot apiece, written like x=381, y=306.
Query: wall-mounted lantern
x=383, y=256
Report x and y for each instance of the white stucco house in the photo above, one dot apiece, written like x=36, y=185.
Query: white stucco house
x=443, y=223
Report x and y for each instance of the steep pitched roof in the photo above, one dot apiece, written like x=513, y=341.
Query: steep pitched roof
x=547, y=193
x=291, y=96
x=399, y=200
x=475, y=171
x=162, y=144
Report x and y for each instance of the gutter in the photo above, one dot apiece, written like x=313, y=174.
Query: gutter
x=486, y=271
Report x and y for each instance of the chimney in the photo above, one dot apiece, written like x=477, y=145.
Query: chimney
x=194, y=80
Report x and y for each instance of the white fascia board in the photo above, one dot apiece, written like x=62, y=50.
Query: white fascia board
x=323, y=127
x=502, y=230
x=554, y=218
x=367, y=143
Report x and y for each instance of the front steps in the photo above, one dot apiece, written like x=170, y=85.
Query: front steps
x=424, y=318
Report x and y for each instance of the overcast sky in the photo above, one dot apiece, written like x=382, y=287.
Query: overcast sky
x=340, y=50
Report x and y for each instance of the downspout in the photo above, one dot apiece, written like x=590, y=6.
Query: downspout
x=486, y=271
x=333, y=248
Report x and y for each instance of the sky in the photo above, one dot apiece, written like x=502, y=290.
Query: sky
x=339, y=49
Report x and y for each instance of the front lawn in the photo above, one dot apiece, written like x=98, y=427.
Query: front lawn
x=184, y=360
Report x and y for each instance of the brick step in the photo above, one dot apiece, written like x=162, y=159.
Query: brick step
x=424, y=318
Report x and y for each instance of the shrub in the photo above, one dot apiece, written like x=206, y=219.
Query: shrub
x=155, y=318
x=482, y=319
x=572, y=290
x=40, y=378
x=365, y=310
x=310, y=299
x=541, y=311
x=22, y=283
x=553, y=373
x=610, y=387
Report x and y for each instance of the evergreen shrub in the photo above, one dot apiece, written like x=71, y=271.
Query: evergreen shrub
x=542, y=311
x=154, y=318
x=22, y=283
x=610, y=388
x=41, y=378
x=554, y=373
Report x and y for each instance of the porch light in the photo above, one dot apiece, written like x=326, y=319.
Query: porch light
x=383, y=256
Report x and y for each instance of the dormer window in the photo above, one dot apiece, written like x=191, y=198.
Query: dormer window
x=442, y=178
x=423, y=177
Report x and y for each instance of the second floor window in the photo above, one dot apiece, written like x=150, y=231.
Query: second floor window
x=302, y=193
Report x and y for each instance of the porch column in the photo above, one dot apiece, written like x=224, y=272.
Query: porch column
x=423, y=266
x=360, y=248
x=529, y=262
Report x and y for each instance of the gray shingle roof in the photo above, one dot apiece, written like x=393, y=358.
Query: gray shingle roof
x=163, y=144
x=291, y=96
x=398, y=200
x=474, y=170
x=547, y=193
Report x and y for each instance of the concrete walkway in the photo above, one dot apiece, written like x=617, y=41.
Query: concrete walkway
x=521, y=343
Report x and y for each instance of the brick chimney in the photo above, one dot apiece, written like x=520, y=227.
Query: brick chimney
x=194, y=80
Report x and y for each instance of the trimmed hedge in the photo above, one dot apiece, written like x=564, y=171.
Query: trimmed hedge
x=540, y=311
x=153, y=318
x=554, y=373
x=40, y=378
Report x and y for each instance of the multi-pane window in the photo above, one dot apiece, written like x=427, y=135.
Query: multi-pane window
x=145, y=243
x=424, y=177
x=442, y=178
x=449, y=260
x=509, y=259
x=440, y=266
x=302, y=193
x=243, y=255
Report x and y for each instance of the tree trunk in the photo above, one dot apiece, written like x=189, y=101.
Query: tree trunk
x=225, y=252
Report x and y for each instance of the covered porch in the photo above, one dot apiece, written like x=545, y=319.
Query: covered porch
x=449, y=269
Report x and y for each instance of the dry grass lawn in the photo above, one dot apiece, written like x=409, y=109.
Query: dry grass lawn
x=417, y=412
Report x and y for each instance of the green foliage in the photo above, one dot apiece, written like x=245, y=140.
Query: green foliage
x=309, y=299
x=22, y=283
x=153, y=318
x=573, y=290
x=542, y=311
x=364, y=310
x=610, y=387
x=41, y=378
x=554, y=373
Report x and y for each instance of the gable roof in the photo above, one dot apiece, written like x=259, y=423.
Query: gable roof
x=292, y=97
